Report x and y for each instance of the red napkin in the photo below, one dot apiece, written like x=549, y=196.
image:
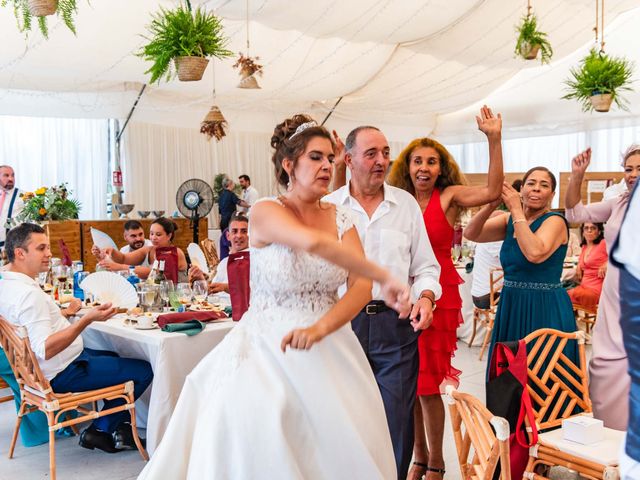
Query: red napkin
x=186, y=316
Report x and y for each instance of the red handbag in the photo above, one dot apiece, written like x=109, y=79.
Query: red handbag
x=508, y=397
x=238, y=266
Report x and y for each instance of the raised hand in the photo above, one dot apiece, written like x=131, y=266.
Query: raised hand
x=511, y=198
x=340, y=149
x=488, y=123
x=580, y=162
x=396, y=296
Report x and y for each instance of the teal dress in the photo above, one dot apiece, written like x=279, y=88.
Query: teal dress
x=532, y=296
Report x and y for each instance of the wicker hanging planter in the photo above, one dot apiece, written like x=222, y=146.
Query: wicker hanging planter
x=191, y=69
x=601, y=101
x=249, y=70
x=248, y=79
x=214, y=124
x=528, y=51
x=43, y=8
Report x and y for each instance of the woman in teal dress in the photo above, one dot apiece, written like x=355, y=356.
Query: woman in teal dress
x=532, y=255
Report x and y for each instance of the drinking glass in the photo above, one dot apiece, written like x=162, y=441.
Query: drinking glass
x=147, y=296
x=200, y=290
x=184, y=293
x=166, y=287
x=466, y=250
x=455, y=253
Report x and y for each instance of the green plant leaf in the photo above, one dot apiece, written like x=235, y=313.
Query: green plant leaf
x=599, y=73
x=529, y=36
x=181, y=32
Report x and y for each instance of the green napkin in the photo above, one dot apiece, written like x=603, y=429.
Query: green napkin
x=190, y=328
x=227, y=310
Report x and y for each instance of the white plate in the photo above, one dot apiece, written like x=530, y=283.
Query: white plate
x=152, y=327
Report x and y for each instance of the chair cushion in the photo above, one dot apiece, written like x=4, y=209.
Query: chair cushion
x=605, y=452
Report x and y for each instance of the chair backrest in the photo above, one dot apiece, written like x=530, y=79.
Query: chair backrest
x=495, y=285
x=15, y=342
x=482, y=439
x=557, y=386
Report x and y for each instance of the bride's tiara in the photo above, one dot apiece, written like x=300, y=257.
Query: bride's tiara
x=303, y=127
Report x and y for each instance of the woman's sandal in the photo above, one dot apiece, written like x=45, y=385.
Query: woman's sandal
x=420, y=468
x=440, y=471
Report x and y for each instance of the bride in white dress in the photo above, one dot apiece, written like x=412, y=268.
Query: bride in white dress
x=289, y=394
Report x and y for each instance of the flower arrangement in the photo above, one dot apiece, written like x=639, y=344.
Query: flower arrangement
x=48, y=204
x=248, y=65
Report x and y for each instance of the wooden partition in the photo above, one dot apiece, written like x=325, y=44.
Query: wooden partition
x=77, y=235
x=479, y=179
x=608, y=177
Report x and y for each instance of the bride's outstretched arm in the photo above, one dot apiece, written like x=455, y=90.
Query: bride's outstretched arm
x=273, y=223
x=357, y=296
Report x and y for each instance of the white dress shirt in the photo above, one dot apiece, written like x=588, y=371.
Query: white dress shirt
x=18, y=204
x=395, y=237
x=23, y=303
x=249, y=195
x=486, y=258
x=147, y=243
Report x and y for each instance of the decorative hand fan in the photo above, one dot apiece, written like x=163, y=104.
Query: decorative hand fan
x=197, y=257
x=111, y=287
x=101, y=239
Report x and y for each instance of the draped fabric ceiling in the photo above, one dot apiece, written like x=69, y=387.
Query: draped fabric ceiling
x=414, y=67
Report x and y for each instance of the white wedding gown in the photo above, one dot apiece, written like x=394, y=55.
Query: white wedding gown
x=249, y=411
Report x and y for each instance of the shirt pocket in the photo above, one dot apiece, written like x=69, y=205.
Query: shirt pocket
x=395, y=251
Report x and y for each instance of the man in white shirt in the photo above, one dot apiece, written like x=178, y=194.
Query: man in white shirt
x=392, y=231
x=486, y=258
x=249, y=194
x=10, y=202
x=57, y=344
x=134, y=236
x=238, y=236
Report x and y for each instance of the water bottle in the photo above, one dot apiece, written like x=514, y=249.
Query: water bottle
x=133, y=278
x=78, y=277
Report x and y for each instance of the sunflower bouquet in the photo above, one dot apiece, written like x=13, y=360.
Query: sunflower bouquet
x=51, y=203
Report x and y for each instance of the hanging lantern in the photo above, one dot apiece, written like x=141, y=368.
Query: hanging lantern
x=214, y=124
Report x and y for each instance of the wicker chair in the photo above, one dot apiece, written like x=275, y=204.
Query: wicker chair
x=586, y=314
x=486, y=316
x=557, y=386
x=482, y=439
x=3, y=386
x=37, y=394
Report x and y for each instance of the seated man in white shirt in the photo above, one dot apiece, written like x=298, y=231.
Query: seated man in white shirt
x=134, y=236
x=238, y=235
x=57, y=344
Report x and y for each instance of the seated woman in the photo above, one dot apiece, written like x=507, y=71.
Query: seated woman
x=161, y=234
x=592, y=266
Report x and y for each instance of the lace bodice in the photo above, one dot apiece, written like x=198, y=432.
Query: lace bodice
x=296, y=280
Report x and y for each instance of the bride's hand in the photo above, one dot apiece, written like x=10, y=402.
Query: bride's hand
x=396, y=296
x=302, y=338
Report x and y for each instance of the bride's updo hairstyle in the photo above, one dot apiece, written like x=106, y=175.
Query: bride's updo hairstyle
x=290, y=139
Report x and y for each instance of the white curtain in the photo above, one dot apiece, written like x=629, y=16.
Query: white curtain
x=156, y=160
x=49, y=151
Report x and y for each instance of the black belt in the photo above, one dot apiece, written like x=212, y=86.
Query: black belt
x=375, y=307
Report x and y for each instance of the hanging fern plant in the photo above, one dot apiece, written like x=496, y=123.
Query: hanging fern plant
x=65, y=9
x=531, y=40
x=600, y=75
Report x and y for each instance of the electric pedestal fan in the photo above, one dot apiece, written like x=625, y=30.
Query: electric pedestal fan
x=195, y=200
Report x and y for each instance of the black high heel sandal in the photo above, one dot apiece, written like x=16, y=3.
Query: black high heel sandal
x=423, y=468
x=441, y=471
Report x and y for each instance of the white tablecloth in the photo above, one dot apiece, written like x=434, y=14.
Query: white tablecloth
x=172, y=357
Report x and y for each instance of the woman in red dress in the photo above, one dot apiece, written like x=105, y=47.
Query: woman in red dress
x=592, y=266
x=428, y=171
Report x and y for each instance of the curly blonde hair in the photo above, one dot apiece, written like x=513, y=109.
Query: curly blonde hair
x=450, y=173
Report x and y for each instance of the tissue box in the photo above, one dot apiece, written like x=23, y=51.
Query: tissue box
x=582, y=429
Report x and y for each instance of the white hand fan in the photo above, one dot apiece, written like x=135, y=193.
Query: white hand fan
x=102, y=240
x=111, y=287
x=197, y=257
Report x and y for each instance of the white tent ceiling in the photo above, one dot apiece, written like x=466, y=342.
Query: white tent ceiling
x=413, y=66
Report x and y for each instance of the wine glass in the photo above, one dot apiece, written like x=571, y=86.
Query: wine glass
x=166, y=287
x=455, y=253
x=147, y=296
x=61, y=274
x=184, y=293
x=200, y=290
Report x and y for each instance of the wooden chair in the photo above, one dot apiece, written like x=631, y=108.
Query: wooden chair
x=588, y=317
x=486, y=316
x=483, y=443
x=3, y=386
x=557, y=386
x=37, y=394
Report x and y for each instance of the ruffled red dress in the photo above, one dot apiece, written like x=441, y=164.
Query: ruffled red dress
x=437, y=344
